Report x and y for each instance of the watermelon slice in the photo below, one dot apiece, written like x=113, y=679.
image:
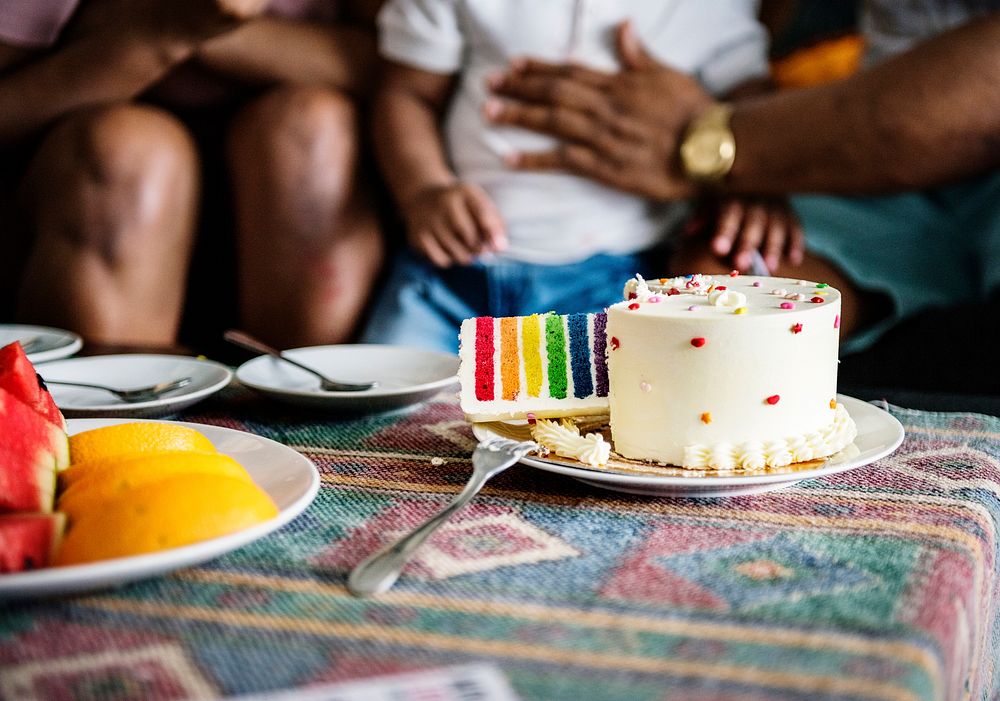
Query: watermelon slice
x=29, y=541
x=31, y=450
x=18, y=376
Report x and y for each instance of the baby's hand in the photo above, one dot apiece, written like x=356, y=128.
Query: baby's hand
x=770, y=225
x=453, y=224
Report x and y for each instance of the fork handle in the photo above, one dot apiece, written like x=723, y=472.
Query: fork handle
x=380, y=570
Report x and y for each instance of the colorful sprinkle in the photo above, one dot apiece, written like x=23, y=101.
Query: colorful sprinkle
x=663, y=281
x=633, y=306
x=833, y=403
x=734, y=273
x=796, y=328
x=779, y=292
x=673, y=291
x=600, y=351
x=821, y=293
x=555, y=346
x=787, y=305
x=821, y=285
x=654, y=299
x=645, y=386
x=803, y=282
x=615, y=343
x=706, y=417
x=531, y=343
x=484, y=358
x=740, y=310
x=756, y=283
x=510, y=359
x=720, y=287
x=698, y=342
x=632, y=295
x=817, y=300
x=795, y=296
x=773, y=399
x=836, y=322
x=692, y=308
x=579, y=354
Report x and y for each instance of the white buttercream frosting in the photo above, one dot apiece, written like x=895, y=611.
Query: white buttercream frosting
x=727, y=298
x=756, y=455
x=745, y=380
x=563, y=438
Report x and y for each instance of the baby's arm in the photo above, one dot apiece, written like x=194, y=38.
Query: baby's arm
x=446, y=220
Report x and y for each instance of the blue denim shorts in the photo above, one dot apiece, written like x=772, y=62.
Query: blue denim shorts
x=423, y=306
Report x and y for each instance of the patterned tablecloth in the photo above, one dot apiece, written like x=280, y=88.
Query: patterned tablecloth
x=878, y=583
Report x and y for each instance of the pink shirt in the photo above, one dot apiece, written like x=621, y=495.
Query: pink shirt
x=37, y=23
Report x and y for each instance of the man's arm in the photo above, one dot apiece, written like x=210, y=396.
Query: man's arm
x=926, y=117
x=272, y=49
x=90, y=71
x=113, y=51
x=923, y=118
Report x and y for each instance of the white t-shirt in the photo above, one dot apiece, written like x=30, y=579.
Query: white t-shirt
x=557, y=218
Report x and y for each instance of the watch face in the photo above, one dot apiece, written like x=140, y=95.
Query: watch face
x=703, y=150
x=708, y=152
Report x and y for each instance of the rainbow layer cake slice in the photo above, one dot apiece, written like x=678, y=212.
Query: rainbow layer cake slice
x=547, y=365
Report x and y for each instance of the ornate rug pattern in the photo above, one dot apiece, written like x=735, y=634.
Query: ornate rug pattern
x=877, y=583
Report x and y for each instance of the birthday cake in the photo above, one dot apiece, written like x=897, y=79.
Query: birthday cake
x=547, y=365
x=735, y=372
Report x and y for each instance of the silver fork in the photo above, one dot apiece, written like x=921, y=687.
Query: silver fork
x=380, y=570
x=139, y=394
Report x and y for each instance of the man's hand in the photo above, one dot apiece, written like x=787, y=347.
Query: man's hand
x=453, y=224
x=622, y=129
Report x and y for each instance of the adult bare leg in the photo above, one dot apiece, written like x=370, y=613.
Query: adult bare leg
x=110, y=199
x=309, y=241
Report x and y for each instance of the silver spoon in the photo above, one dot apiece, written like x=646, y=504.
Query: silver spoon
x=245, y=340
x=380, y=570
x=139, y=394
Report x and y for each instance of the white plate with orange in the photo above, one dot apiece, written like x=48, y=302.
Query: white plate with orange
x=288, y=477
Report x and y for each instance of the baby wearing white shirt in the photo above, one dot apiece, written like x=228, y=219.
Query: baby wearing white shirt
x=527, y=218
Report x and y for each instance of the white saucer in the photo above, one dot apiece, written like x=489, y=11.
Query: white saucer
x=288, y=477
x=879, y=433
x=405, y=375
x=129, y=371
x=42, y=343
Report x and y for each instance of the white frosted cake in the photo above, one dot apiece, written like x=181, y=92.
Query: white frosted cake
x=724, y=373
x=731, y=372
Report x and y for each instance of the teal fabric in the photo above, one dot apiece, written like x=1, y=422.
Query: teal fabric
x=936, y=248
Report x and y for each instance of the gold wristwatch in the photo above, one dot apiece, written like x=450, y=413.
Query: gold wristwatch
x=709, y=148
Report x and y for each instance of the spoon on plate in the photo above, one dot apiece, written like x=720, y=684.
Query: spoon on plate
x=245, y=340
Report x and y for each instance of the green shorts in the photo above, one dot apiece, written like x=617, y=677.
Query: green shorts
x=936, y=248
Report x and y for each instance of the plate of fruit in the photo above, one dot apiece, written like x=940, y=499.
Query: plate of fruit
x=92, y=503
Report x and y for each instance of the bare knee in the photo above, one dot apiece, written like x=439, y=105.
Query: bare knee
x=308, y=134
x=118, y=169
